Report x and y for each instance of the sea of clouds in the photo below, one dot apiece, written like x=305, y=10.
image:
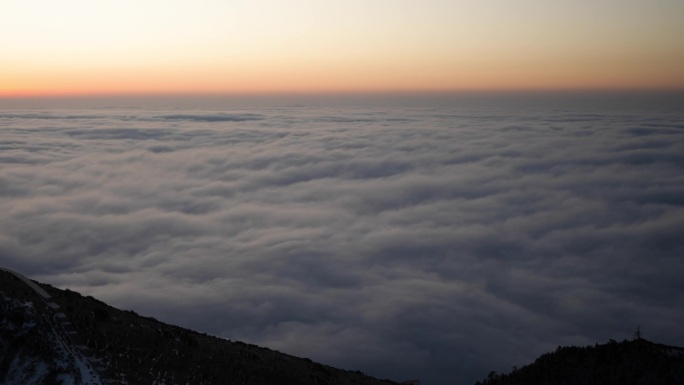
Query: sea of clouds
x=431, y=243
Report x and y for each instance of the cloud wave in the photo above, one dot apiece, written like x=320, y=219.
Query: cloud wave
x=434, y=243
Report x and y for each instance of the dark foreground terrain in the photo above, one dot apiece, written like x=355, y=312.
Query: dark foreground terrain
x=636, y=362
x=50, y=336
x=39, y=347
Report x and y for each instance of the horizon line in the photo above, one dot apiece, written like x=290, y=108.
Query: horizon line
x=323, y=93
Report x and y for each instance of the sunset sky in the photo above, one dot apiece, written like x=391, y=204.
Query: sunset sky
x=78, y=47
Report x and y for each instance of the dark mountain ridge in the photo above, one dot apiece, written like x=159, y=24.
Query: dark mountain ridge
x=61, y=337
x=635, y=362
x=50, y=336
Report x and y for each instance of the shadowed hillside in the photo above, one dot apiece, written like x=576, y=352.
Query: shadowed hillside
x=133, y=349
x=637, y=362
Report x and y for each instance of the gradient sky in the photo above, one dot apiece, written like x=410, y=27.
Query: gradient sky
x=212, y=46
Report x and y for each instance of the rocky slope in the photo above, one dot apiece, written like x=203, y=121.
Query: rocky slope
x=93, y=343
x=34, y=349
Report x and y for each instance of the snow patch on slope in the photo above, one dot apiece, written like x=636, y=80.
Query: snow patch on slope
x=35, y=353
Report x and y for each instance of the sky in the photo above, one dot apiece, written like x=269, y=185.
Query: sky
x=78, y=47
x=437, y=242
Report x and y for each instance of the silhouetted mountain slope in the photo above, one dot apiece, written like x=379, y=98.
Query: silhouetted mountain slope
x=34, y=348
x=637, y=362
x=132, y=349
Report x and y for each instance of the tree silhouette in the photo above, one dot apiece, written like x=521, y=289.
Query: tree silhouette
x=637, y=334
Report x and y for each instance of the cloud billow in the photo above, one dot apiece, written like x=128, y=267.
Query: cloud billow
x=419, y=243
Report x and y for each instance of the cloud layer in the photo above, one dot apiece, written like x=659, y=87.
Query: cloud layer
x=432, y=243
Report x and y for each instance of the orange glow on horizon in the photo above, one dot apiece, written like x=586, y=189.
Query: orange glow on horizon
x=156, y=84
x=381, y=75
x=304, y=46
